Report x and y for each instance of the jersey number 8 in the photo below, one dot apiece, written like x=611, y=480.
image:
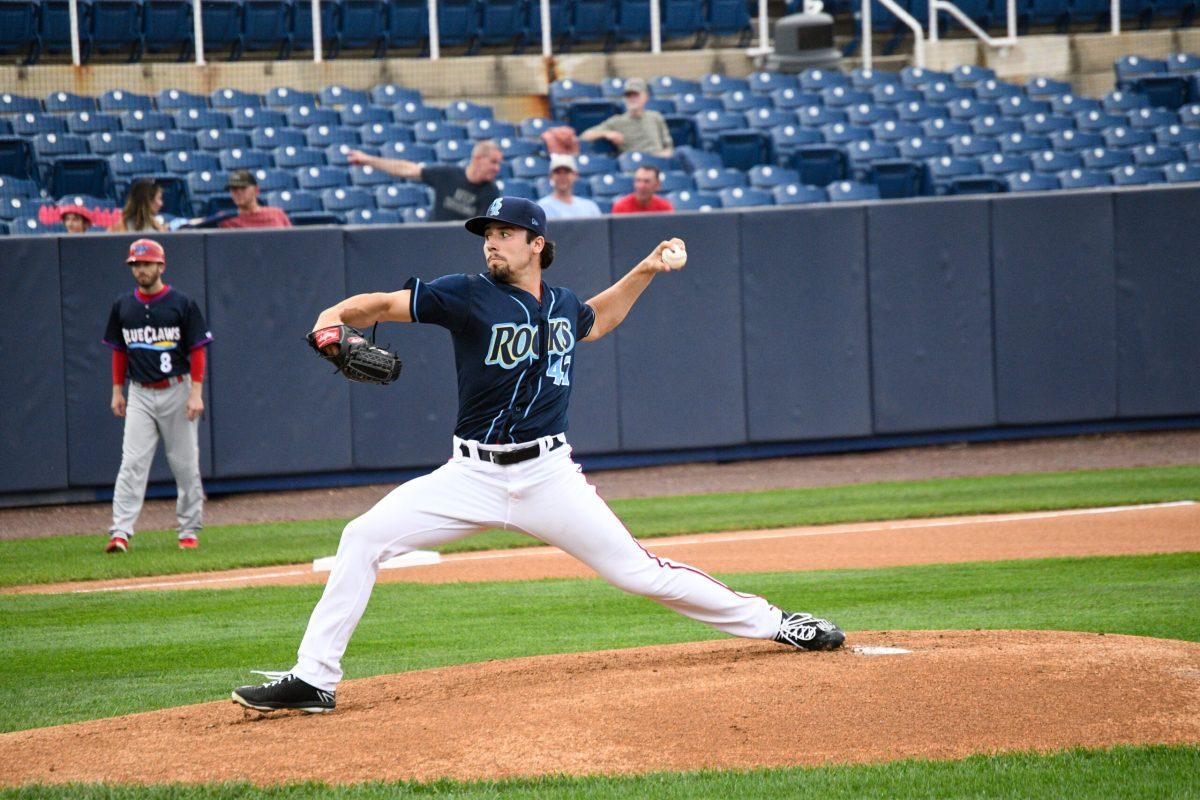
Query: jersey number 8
x=164, y=362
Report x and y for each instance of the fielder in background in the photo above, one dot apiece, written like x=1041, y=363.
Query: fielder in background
x=157, y=335
x=515, y=341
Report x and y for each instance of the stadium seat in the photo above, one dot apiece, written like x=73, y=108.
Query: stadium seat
x=338, y=154
x=971, y=75
x=410, y=112
x=989, y=125
x=745, y=197
x=401, y=195
x=696, y=103
x=942, y=128
x=326, y=135
x=218, y=139
x=294, y=201
x=18, y=187
x=688, y=200
x=302, y=28
x=716, y=84
x=796, y=194
x=417, y=215
x=768, y=82
x=368, y=216
x=530, y=167
x=1041, y=88
x=818, y=165
x=316, y=178
x=19, y=29
x=52, y=145
x=1032, y=182
x=407, y=27
x=18, y=104
x=194, y=119
x=463, y=112
x=1101, y=158
x=946, y=92
x=766, y=176
x=920, y=148
x=168, y=140
x=610, y=185
x=1023, y=143
x=31, y=124
x=843, y=133
x=1152, y=118
x=1182, y=173
x=369, y=176
x=231, y=99
x=743, y=149
x=941, y=172
x=54, y=26
x=114, y=26
x=1129, y=67
x=1083, y=179
x=817, y=116
x=129, y=165
x=1190, y=115
x=895, y=177
x=744, y=101
x=1074, y=141
x=140, y=121
x=1183, y=63
x=978, y=184
x=785, y=140
x=365, y=26
x=80, y=175
x=1121, y=103
x=895, y=131
x=250, y=118
x=378, y=133
x=1006, y=163
x=305, y=116
x=1123, y=137
x=344, y=199
x=1071, y=104
x=920, y=110
x=222, y=22
x=284, y=97
x=431, y=131
x=1046, y=124
x=274, y=180
x=794, y=98
x=339, y=96
x=452, y=151
x=390, y=94
x=68, y=103
x=267, y=25
x=1177, y=135
x=1055, y=161
x=814, y=80
x=850, y=191
x=238, y=158
x=584, y=114
x=893, y=94
x=32, y=225
x=713, y=179
x=490, y=129
x=867, y=114
x=590, y=164
x=630, y=161
x=503, y=22
x=183, y=162
x=13, y=207
x=421, y=153
x=1132, y=175
x=515, y=148
x=565, y=91
x=83, y=123
x=204, y=183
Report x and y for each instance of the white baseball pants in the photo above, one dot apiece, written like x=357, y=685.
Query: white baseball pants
x=546, y=497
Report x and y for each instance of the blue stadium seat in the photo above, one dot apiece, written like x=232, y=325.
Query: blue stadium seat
x=818, y=165
x=683, y=130
x=710, y=124
x=689, y=200
x=67, y=103
x=862, y=154
x=844, y=96
x=237, y=158
x=222, y=21
x=893, y=94
x=1163, y=91
x=867, y=114
x=284, y=97
x=786, y=139
x=19, y=29
x=743, y=149
x=1022, y=106
x=339, y=96
x=797, y=194
x=745, y=197
x=80, y=175
x=490, y=129
x=178, y=100
x=1183, y=63
x=452, y=151
x=1152, y=155
x=628, y=162
x=218, y=139
x=302, y=28
x=31, y=124
x=316, y=218
x=766, y=176
x=1097, y=121
x=1047, y=123
x=18, y=187
x=1070, y=104
x=713, y=179
x=317, y=178
x=791, y=99
x=1152, y=118
x=411, y=112
x=716, y=84
x=973, y=146
x=304, y=116
x=390, y=94
x=918, y=77
x=267, y=25
x=18, y=104
x=401, y=195
x=1190, y=115
x=515, y=148
x=729, y=18
x=921, y=148
x=232, y=99
x=326, y=135
x=850, y=191
x=1118, y=102
x=368, y=216
x=32, y=225
x=1041, y=88
x=250, y=118
x=942, y=128
x=969, y=108
x=357, y=115
x=1006, y=163
x=591, y=21
x=583, y=114
x=971, y=75
x=431, y=131
x=895, y=131
x=1133, y=175
x=1032, y=182
x=862, y=78
x=504, y=22
x=769, y=82
x=416, y=215
x=1055, y=161
x=195, y=119
x=343, y=199
x=530, y=167
x=610, y=185
x=591, y=164
x=817, y=116
x=294, y=201
x=1182, y=173
x=695, y=103
x=996, y=126
x=1129, y=67
x=130, y=165
x=1101, y=158
x=1123, y=137
x=843, y=133
x=407, y=27
x=204, y=183
x=743, y=101
x=814, y=80
x=114, y=25
x=896, y=178
x=941, y=172
x=54, y=26
x=1023, y=143
x=365, y=26
x=369, y=176
x=17, y=157
x=1083, y=179
x=51, y=145
x=182, y=162
x=169, y=140
x=946, y=92
x=919, y=111
x=567, y=91
x=421, y=153
x=978, y=184
x=378, y=133
x=691, y=159
x=518, y=187
x=463, y=111
x=1074, y=141
x=5, y=127
x=1176, y=134
x=14, y=207
x=83, y=123
x=140, y=121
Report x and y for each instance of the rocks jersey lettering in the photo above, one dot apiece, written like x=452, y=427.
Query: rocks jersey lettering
x=514, y=355
x=157, y=333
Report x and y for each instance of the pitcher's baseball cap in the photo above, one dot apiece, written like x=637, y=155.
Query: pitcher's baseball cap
x=146, y=250
x=241, y=177
x=514, y=211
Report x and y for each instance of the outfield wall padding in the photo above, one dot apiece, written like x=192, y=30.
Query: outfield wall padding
x=834, y=322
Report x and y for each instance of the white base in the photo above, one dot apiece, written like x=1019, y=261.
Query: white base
x=415, y=558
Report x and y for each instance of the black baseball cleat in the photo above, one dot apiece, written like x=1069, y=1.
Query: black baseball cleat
x=809, y=633
x=286, y=691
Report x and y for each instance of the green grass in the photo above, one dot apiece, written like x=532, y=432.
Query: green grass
x=1111, y=774
x=65, y=558
x=64, y=653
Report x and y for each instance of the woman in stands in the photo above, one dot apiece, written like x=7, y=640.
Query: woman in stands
x=141, y=209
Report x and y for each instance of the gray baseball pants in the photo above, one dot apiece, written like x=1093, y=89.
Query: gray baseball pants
x=151, y=414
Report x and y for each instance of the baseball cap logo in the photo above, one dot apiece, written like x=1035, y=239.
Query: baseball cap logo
x=494, y=208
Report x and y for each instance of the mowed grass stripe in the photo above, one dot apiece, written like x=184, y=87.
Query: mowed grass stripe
x=66, y=653
x=74, y=558
x=1118, y=773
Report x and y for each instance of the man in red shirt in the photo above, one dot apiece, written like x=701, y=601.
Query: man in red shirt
x=646, y=181
x=243, y=188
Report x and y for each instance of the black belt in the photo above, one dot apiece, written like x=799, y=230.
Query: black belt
x=506, y=458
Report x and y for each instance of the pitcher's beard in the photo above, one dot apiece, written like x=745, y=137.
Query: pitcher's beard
x=501, y=271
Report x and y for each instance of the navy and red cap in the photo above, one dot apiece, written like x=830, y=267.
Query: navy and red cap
x=146, y=250
x=513, y=211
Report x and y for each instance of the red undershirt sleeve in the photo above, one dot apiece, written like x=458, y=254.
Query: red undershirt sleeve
x=198, y=358
x=120, y=361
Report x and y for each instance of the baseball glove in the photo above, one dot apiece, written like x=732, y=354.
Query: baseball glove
x=355, y=357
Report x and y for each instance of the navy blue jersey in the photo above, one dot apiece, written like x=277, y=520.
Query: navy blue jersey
x=158, y=333
x=513, y=354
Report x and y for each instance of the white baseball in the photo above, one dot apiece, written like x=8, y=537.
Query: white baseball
x=674, y=257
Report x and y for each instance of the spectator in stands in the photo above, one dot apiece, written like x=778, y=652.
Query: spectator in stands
x=243, y=188
x=142, y=205
x=76, y=219
x=562, y=202
x=646, y=181
x=637, y=129
x=458, y=193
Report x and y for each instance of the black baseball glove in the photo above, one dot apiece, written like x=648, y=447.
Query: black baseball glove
x=355, y=357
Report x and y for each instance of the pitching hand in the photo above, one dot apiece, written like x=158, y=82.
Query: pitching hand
x=655, y=263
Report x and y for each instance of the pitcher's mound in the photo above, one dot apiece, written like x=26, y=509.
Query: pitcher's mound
x=730, y=703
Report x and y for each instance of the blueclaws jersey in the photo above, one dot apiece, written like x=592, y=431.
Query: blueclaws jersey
x=514, y=355
x=157, y=332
